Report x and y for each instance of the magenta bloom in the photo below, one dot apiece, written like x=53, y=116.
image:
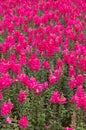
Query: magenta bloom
x=6, y=108
x=68, y=128
x=8, y=120
x=46, y=127
x=55, y=98
x=22, y=96
x=45, y=65
x=34, y=63
x=23, y=122
x=1, y=96
x=52, y=79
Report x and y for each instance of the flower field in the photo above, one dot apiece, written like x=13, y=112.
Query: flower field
x=42, y=64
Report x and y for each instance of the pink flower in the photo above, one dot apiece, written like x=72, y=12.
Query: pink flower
x=72, y=83
x=5, y=81
x=74, y=98
x=1, y=96
x=46, y=127
x=34, y=63
x=46, y=85
x=39, y=89
x=22, y=96
x=72, y=71
x=23, y=122
x=33, y=84
x=55, y=98
x=52, y=79
x=59, y=64
x=23, y=78
x=81, y=103
x=80, y=91
x=80, y=80
x=8, y=120
x=16, y=68
x=68, y=128
x=45, y=65
x=6, y=108
x=22, y=59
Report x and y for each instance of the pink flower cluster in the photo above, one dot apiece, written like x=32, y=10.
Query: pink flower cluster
x=68, y=128
x=34, y=63
x=23, y=122
x=46, y=36
x=32, y=84
x=22, y=96
x=6, y=109
x=57, y=99
x=79, y=98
